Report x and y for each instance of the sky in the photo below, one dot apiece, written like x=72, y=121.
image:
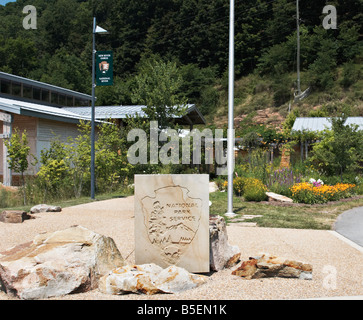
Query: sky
x=3, y=2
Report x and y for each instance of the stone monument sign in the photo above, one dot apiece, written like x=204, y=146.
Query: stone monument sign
x=172, y=220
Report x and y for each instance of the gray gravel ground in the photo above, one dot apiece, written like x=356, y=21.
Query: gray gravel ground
x=337, y=267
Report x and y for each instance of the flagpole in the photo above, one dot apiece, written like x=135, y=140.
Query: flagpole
x=230, y=131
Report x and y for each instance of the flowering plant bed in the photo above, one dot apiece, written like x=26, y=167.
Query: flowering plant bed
x=314, y=192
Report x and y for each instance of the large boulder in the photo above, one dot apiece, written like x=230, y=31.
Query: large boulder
x=14, y=216
x=149, y=279
x=222, y=254
x=58, y=263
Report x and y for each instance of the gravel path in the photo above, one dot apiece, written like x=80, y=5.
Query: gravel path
x=337, y=267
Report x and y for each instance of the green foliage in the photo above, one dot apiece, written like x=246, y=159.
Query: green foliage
x=340, y=150
x=322, y=71
x=53, y=175
x=311, y=194
x=251, y=140
x=158, y=85
x=254, y=190
x=351, y=74
x=290, y=120
x=60, y=71
x=193, y=34
x=18, y=151
x=65, y=167
x=17, y=55
x=238, y=185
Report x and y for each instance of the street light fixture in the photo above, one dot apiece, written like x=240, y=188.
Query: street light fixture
x=96, y=29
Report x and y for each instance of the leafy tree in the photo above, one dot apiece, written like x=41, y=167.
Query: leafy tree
x=322, y=70
x=78, y=157
x=158, y=85
x=340, y=150
x=54, y=171
x=18, y=152
x=111, y=162
x=17, y=55
x=68, y=71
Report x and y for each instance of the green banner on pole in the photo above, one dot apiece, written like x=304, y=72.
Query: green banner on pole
x=104, y=68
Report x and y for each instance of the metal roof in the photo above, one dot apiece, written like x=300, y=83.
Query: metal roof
x=192, y=116
x=108, y=112
x=74, y=114
x=320, y=124
x=39, y=111
x=43, y=85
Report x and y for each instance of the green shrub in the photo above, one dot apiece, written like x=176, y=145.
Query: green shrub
x=238, y=185
x=254, y=190
x=10, y=198
x=359, y=189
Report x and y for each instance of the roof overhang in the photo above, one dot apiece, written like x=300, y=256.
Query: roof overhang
x=40, y=111
x=191, y=117
x=42, y=85
x=321, y=123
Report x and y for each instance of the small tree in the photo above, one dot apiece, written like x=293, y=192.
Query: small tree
x=158, y=87
x=341, y=149
x=18, y=152
x=54, y=170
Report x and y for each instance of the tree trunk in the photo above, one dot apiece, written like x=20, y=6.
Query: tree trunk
x=24, y=191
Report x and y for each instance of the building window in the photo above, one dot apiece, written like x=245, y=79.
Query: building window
x=45, y=95
x=69, y=101
x=36, y=93
x=27, y=92
x=5, y=86
x=54, y=98
x=81, y=102
x=16, y=89
x=62, y=100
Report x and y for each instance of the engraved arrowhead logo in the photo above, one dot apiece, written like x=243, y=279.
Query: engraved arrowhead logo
x=172, y=220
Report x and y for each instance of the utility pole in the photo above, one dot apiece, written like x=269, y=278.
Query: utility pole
x=230, y=131
x=298, y=48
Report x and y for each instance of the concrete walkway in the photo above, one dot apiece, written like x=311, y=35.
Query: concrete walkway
x=350, y=225
x=337, y=265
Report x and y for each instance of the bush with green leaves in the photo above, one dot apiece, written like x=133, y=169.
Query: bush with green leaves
x=340, y=150
x=254, y=190
x=18, y=152
x=238, y=185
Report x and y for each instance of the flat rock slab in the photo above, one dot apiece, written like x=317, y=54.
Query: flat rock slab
x=14, y=216
x=278, y=197
x=245, y=224
x=45, y=208
x=268, y=266
x=149, y=279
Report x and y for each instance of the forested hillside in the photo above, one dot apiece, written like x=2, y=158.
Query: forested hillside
x=194, y=34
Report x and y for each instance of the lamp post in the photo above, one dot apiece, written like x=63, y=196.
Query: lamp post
x=230, y=131
x=96, y=29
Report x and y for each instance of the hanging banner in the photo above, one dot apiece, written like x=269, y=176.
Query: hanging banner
x=104, y=68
